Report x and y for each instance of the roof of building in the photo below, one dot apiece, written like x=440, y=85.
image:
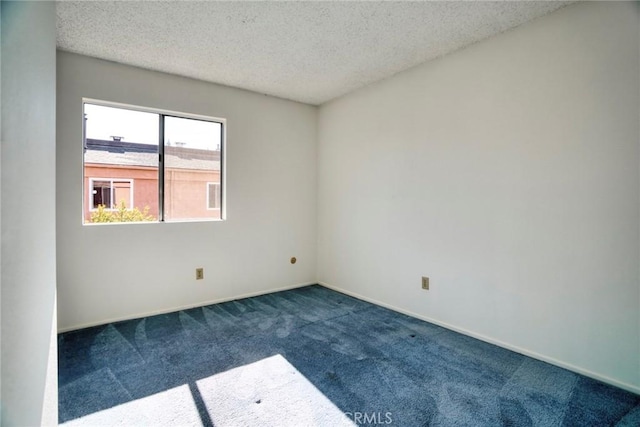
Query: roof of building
x=132, y=154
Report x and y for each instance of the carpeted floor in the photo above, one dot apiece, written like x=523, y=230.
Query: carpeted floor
x=312, y=356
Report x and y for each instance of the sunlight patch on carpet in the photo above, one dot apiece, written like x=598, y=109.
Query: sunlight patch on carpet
x=270, y=392
x=168, y=408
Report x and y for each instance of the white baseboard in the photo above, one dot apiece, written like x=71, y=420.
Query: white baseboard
x=532, y=354
x=183, y=307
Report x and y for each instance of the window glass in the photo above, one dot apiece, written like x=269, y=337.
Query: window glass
x=111, y=194
x=191, y=160
x=126, y=169
x=101, y=191
x=120, y=164
x=213, y=195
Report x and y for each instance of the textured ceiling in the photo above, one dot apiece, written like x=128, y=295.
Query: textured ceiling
x=310, y=52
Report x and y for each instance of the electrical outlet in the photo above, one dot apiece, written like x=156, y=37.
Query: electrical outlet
x=425, y=283
x=199, y=273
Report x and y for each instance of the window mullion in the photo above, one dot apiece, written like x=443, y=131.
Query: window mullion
x=161, y=170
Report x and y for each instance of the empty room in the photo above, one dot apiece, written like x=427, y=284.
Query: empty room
x=315, y=213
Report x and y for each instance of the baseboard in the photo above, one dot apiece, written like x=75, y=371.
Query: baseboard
x=183, y=307
x=625, y=386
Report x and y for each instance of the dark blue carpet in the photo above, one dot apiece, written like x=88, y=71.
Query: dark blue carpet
x=363, y=358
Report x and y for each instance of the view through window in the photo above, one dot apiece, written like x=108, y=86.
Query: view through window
x=148, y=166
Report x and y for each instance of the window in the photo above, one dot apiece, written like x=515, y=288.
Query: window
x=111, y=193
x=169, y=157
x=213, y=195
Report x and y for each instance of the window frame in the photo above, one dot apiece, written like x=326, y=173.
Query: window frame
x=209, y=199
x=162, y=113
x=111, y=197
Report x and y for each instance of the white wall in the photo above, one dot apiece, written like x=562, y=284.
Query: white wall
x=28, y=219
x=508, y=173
x=119, y=271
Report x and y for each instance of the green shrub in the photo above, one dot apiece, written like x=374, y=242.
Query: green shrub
x=121, y=214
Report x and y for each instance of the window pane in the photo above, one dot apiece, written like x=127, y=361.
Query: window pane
x=101, y=192
x=213, y=196
x=122, y=193
x=191, y=163
x=120, y=164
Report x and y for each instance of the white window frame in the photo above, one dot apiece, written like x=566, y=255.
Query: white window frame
x=110, y=180
x=162, y=112
x=219, y=193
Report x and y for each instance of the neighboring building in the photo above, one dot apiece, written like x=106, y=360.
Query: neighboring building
x=116, y=171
